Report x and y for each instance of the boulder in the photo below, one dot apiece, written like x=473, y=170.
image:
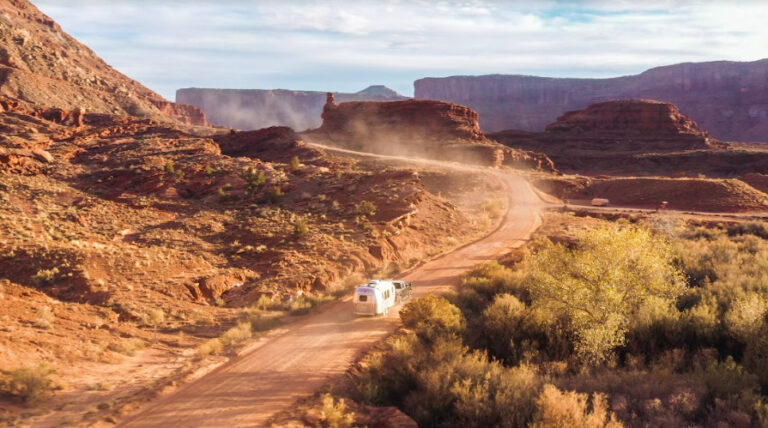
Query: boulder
x=214, y=286
x=42, y=155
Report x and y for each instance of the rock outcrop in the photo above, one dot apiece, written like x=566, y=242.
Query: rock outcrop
x=635, y=137
x=641, y=125
x=726, y=98
x=44, y=66
x=418, y=128
x=251, y=109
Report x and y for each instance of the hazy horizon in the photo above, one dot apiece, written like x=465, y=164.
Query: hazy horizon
x=348, y=46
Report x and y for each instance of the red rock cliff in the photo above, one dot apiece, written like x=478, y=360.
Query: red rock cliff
x=42, y=65
x=419, y=128
x=646, y=118
x=726, y=98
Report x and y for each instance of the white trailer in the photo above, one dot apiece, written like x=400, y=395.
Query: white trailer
x=374, y=298
x=600, y=202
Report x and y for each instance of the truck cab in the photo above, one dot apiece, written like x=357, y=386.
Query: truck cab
x=403, y=290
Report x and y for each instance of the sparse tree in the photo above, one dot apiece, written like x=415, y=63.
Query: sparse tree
x=602, y=282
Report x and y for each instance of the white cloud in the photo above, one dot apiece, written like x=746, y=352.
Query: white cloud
x=346, y=45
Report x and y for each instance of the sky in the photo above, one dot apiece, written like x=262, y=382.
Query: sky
x=348, y=45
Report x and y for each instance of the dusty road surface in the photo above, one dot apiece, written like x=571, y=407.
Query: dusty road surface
x=270, y=378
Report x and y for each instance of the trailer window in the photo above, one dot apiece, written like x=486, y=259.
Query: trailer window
x=398, y=285
x=363, y=298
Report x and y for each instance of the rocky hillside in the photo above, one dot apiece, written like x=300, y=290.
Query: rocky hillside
x=726, y=98
x=636, y=137
x=418, y=128
x=250, y=109
x=42, y=65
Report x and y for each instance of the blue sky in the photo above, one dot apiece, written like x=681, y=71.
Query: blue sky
x=348, y=45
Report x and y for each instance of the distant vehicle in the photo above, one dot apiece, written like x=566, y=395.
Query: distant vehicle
x=375, y=297
x=600, y=202
x=404, y=291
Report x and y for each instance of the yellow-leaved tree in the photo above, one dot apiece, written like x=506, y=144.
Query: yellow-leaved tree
x=602, y=281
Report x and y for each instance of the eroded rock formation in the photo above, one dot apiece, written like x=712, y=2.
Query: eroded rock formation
x=418, y=128
x=260, y=108
x=635, y=137
x=726, y=98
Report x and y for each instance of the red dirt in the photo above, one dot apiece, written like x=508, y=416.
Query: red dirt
x=297, y=362
x=706, y=195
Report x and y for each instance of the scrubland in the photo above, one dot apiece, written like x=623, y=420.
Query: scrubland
x=638, y=322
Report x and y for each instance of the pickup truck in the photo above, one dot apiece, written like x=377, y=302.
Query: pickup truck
x=403, y=291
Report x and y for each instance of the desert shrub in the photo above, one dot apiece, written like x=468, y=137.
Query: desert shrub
x=237, y=334
x=432, y=316
x=264, y=302
x=128, y=346
x=45, y=318
x=749, y=228
x=745, y=317
x=366, y=209
x=275, y=195
x=45, y=277
x=295, y=164
x=756, y=354
x=498, y=325
x=300, y=306
x=300, y=228
x=231, y=338
x=444, y=383
x=601, y=283
x=169, y=167
x=484, y=282
x=210, y=347
x=254, y=178
x=31, y=384
x=513, y=332
x=729, y=382
x=555, y=408
x=502, y=397
x=172, y=172
x=155, y=317
x=334, y=414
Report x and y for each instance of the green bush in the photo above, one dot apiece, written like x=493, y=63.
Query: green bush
x=255, y=179
x=432, y=316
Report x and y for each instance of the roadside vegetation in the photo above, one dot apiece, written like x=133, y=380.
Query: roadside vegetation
x=657, y=324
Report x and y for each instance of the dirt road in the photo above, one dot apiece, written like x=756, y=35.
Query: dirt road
x=250, y=389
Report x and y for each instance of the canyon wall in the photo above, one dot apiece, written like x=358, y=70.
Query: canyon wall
x=728, y=99
x=250, y=109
